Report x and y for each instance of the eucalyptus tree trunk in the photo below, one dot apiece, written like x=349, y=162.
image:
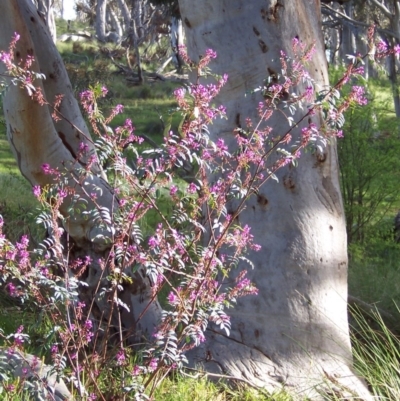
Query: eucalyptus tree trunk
x=348, y=45
x=177, y=40
x=135, y=35
x=115, y=23
x=45, y=7
x=37, y=139
x=125, y=14
x=391, y=11
x=101, y=13
x=295, y=332
x=395, y=27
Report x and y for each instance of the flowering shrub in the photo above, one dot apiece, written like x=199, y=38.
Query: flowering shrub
x=191, y=253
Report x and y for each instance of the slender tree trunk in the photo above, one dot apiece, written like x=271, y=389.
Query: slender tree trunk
x=45, y=8
x=395, y=26
x=177, y=40
x=125, y=14
x=101, y=8
x=348, y=45
x=295, y=332
x=116, y=25
x=134, y=34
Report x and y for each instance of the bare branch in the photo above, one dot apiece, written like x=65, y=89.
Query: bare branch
x=382, y=7
x=344, y=19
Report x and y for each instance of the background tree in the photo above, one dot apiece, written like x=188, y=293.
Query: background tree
x=46, y=9
x=369, y=172
x=101, y=12
x=296, y=330
x=351, y=20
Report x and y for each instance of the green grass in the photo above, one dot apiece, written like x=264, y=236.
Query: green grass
x=376, y=351
x=377, y=280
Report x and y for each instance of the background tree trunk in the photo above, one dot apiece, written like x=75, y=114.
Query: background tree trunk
x=295, y=332
x=348, y=45
x=177, y=40
x=125, y=14
x=45, y=7
x=101, y=29
x=395, y=27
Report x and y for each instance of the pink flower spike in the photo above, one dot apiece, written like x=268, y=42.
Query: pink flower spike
x=36, y=191
x=172, y=298
x=46, y=168
x=211, y=53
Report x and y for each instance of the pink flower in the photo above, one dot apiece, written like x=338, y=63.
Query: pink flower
x=119, y=108
x=11, y=289
x=179, y=93
x=153, y=242
x=153, y=364
x=358, y=95
x=309, y=93
x=192, y=188
x=211, y=53
x=221, y=145
x=173, y=190
x=120, y=357
x=172, y=298
x=36, y=191
x=46, y=168
x=382, y=46
x=83, y=147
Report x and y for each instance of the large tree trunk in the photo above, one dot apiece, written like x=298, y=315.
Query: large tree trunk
x=35, y=139
x=295, y=332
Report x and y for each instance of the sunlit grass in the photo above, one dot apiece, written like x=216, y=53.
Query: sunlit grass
x=376, y=351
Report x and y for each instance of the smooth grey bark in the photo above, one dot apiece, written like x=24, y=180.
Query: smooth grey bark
x=45, y=7
x=115, y=24
x=101, y=30
x=295, y=332
x=125, y=14
x=177, y=40
x=134, y=35
x=348, y=40
x=36, y=139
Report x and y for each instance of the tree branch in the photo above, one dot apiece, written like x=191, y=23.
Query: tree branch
x=344, y=19
x=382, y=7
